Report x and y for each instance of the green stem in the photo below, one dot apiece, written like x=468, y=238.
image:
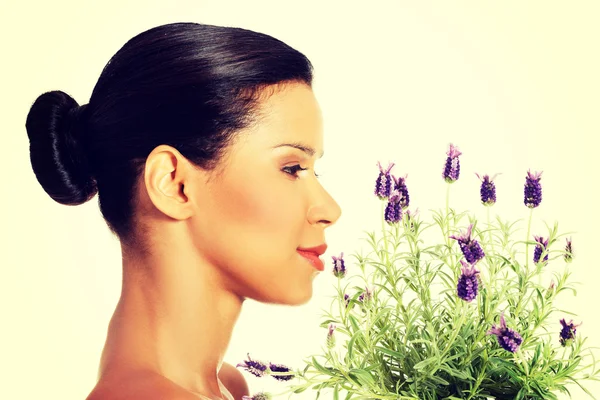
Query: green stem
x=526, y=279
x=385, y=244
x=390, y=272
x=524, y=362
x=491, y=239
x=527, y=240
x=447, y=233
x=343, y=308
x=451, y=260
x=424, y=291
x=457, y=328
x=490, y=260
x=478, y=381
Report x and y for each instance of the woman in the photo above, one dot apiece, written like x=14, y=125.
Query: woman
x=201, y=143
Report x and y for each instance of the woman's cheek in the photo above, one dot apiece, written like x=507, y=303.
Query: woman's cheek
x=269, y=205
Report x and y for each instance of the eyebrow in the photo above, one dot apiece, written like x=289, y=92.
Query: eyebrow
x=297, y=145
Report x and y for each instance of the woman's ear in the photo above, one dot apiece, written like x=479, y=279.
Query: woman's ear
x=165, y=175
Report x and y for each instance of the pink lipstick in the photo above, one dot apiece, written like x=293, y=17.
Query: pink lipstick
x=312, y=254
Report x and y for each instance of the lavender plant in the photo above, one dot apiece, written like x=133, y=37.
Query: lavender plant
x=452, y=308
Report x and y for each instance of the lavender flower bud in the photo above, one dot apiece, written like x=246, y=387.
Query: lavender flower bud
x=468, y=284
x=568, y=251
x=346, y=299
x=393, y=210
x=339, y=268
x=488, y=190
x=550, y=290
x=383, y=184
x=533, y=189
x=508, y=338
x=452, y=166
x=258, y=396
x=280, y=368
x=256, y=368
x=567, y=333
x=366, y=295
x=331, y=336
x=400, y=186
x=470, y=248
x=410, y=216
x=539, y=248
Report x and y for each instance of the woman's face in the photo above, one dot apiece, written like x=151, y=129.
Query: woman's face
x=266, y=202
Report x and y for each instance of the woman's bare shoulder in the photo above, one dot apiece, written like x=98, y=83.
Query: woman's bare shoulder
x=151, y=386
x=233, y=380
x=142, y=386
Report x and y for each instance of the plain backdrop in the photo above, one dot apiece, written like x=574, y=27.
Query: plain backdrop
x=514, y=84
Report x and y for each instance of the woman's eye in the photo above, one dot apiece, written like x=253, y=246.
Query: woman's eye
x=293, y=169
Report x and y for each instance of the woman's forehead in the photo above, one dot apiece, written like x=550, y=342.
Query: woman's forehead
x=289, y=115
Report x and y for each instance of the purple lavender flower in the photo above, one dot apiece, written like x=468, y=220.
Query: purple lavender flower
x=508, y=338
x=470, y=248
x=383, y=184
x=452, y=166
x=468, y=284
x=280, y=368
x=400, y=186
x=331, y=336
x=393, y=209
x=533, y=189
x=346, y=299
x=568, y=251
x=256, y=368
x=258, y=396
x=366, y=295
x=539, y=248
x=488, y=189
x=567, y=333
x=339, y=268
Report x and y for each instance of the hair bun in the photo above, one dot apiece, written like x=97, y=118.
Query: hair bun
x=57, y=156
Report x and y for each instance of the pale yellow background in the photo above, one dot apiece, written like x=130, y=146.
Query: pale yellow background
x=514, y=84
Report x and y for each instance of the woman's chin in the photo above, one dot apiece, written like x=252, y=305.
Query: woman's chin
x=300, y=300
x=301, y=293
x=296, y=296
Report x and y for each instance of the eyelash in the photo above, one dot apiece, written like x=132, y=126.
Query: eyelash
x=293, y=170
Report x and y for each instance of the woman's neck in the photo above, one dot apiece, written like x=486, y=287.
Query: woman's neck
x=174, y=317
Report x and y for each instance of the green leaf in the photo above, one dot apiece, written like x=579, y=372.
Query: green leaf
x=389, y=352
x=456, y=373
x=421, y=365
x=351, y=343
x=362, y=376
x=438, y=380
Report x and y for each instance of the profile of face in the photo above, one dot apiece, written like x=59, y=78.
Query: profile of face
x=265, y=202
x=242, y=222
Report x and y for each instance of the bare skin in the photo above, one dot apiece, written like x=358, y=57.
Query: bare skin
x=186, y=277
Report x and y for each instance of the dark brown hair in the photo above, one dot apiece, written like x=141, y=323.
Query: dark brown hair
x=187, y=85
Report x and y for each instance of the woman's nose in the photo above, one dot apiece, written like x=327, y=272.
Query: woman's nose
x=325, y=210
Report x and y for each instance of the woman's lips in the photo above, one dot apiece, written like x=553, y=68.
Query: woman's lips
x=313, y=258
